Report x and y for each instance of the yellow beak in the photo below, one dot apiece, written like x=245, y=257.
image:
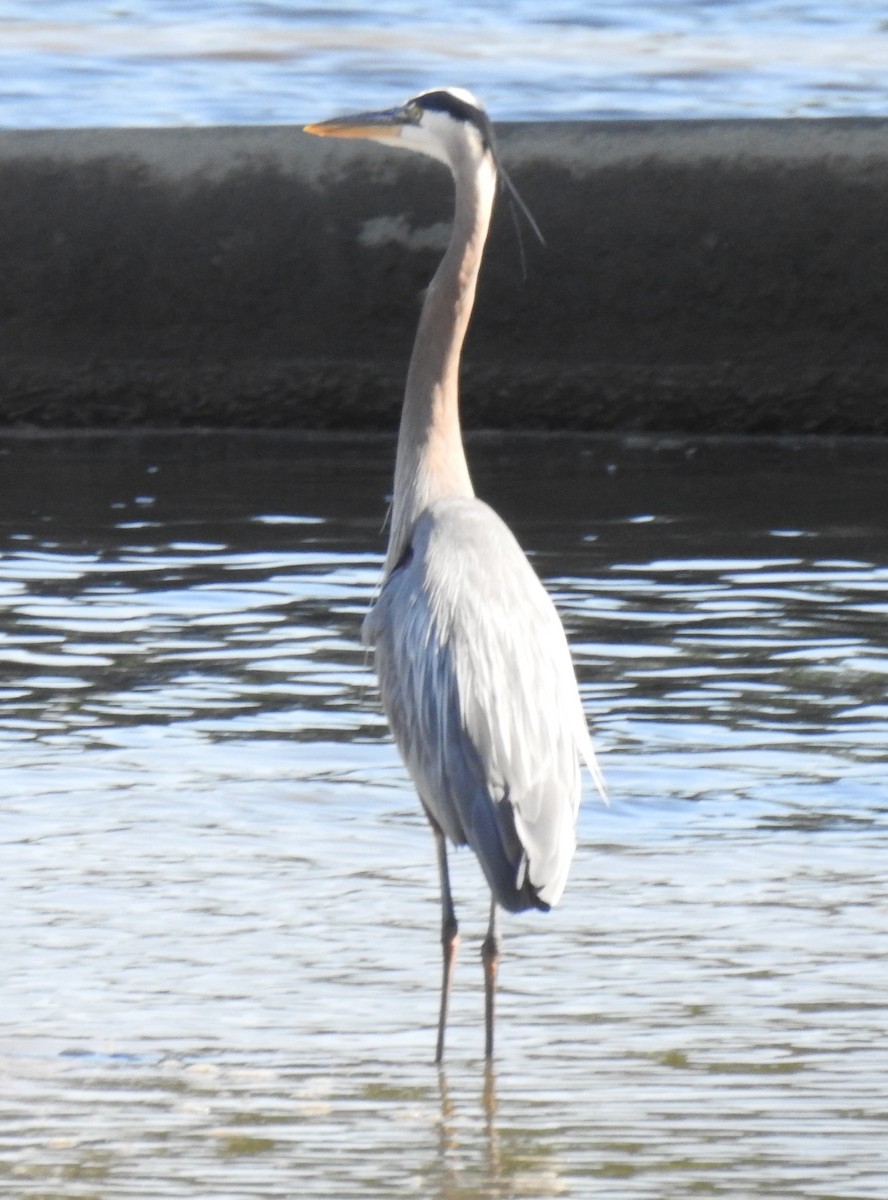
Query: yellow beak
x=387, y=124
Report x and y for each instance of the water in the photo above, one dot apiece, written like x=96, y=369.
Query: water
x=219, y=944
x=162, y=62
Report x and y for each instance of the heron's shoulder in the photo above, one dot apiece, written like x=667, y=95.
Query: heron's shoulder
x=468, y=510
x=463, y=568
x=474, y=574
x=467, y=525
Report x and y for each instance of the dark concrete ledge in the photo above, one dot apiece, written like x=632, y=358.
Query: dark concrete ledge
x=724, y=276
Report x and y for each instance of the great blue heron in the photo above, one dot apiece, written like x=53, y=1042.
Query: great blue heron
x=474, y=669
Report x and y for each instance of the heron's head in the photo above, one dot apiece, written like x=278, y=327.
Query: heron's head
x=447, y=123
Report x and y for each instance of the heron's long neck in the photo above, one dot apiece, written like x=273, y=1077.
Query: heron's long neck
x=431, y=462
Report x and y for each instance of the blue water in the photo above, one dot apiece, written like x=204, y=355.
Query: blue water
x=219, y=944
x=141, y=62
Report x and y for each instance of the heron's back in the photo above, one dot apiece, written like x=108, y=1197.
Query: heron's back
x=478, y=685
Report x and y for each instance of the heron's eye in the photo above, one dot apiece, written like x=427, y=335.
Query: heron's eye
x=413, y=111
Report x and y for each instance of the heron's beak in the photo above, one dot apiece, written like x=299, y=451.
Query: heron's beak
x=387, y=124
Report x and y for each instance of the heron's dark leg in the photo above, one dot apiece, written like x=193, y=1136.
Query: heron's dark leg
x=449, y=938
x=490, y=954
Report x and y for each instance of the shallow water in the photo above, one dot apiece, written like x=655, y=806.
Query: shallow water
x=164, y=62
x=220, y=931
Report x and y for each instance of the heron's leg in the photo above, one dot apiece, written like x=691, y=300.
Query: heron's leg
x=490, y=955
x=449, y=938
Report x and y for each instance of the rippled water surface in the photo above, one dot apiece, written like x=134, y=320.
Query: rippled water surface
x=181, y=62
x=219, y=941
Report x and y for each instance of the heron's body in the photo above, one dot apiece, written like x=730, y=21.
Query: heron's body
x=477, y=683
x=474, y=668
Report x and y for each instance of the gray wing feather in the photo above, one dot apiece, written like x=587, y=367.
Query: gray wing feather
x=478, y=685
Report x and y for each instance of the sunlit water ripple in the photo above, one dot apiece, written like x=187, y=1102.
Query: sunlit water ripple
x=165, y=62
x=220, y=933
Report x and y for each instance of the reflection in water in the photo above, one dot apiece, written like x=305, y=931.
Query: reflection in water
x=220, y=962
x=481, y=1157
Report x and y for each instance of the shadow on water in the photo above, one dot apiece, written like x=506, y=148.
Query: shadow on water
x=220, y=928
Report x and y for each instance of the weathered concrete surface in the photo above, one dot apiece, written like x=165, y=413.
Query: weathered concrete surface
x=698, y=276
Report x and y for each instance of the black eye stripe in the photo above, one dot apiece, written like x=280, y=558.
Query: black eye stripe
x=460, y=110
x=446, y=102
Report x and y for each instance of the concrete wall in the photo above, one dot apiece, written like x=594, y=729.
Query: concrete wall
x=701, y=276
